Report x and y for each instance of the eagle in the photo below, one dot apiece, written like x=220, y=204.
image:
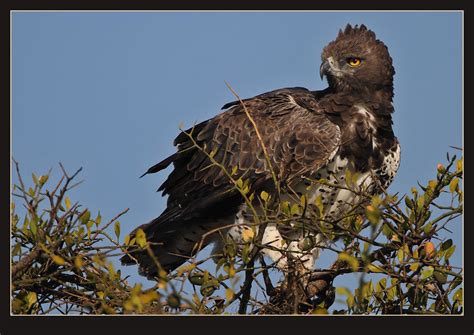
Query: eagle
x=278, y=141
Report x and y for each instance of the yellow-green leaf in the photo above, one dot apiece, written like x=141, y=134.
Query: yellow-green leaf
x=185, y=268
x=264, y=195
x=78, y=263
x=34, y=225
x=373, y=214
x=351, y=260
x=247, y=235
x=31, y=299
x=43, y=179
x=229, y=294
x=381, y=285
x=414, y=266
x=117, y=229
x=320, y=310
x=58, y=259
x=374, y=268
x=303, y=201
x=295, y=209
x=427, y=272
x=449, y=252
x=35, y=179
x=68, y=203
x=453, y=185
x=432, y=184
x=98, y=219
x=141, y=238
x=348, y=176
x=459, y=165
x=85, y=217
x=415, y=254
x=239, y=183
x=458, y=295
x=149, y=297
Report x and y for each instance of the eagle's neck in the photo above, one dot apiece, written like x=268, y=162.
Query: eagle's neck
x=378, y=100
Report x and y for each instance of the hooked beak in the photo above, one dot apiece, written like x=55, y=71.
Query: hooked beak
x=324, y=69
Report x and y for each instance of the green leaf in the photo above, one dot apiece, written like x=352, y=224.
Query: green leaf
x=373, y=214
x=196, y=278
x=403, y=253
x=446, y=244
x=367, y=289
x=285, y=207
x=440, y=277
x=459, y=165
x=345, y=291
x=85, y=217
x=43, y=179
x=34, y=225
x=68, y=202
x=319, y=203
x=375, y=268
x=381, y=285
x=295, y=210
x=449, y=252
x=209, y=287
x=391, y=292
x=213, y=153
x=421, y=201
x=376, y=201
x=387, y=231
x=432, y=184
x=458, y=295
x=400, y=255
x=306, y=244
x=427, y=228
x=239, y=183
x=35, y=179
x=117, y=229
x=427, y=272
x=303, y=201
x=234, y=171
x=319, y=310
x=98, y=219
x=264, y=196
x=348, y=176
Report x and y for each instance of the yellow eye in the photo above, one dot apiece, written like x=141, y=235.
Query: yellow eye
x=353, y=61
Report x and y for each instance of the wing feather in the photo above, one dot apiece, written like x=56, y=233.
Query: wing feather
x=298, y=137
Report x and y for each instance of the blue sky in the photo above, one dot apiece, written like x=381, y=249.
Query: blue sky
x=107, y=91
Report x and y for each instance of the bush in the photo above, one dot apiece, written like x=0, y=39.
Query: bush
x=61, y=256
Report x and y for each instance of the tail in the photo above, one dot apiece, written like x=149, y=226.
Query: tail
x=171, y=242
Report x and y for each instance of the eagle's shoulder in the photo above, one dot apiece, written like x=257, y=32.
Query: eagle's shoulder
x=271, y=95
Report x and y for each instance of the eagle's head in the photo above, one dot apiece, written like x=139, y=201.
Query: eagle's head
x=357, y=61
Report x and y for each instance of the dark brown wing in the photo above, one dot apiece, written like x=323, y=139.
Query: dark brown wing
x=297, y=136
